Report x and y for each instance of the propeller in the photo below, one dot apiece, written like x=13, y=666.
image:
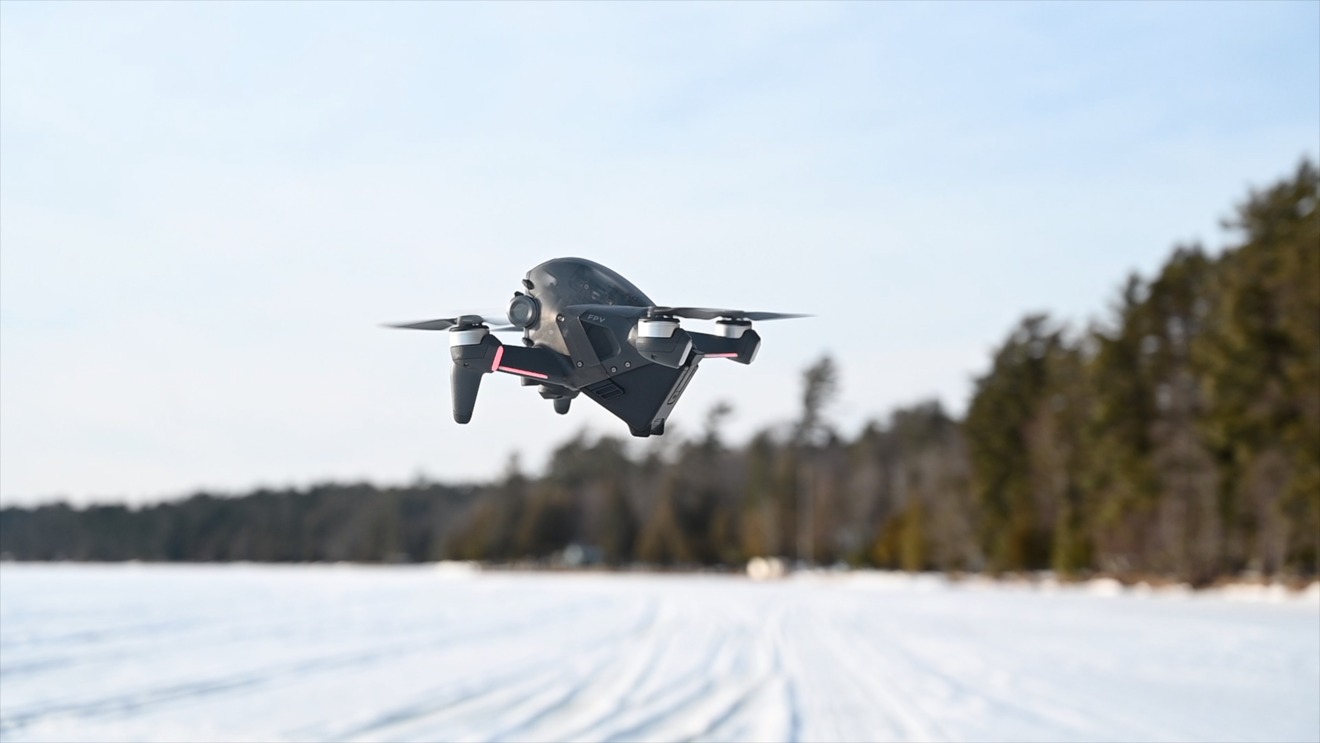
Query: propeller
x=694, y=313
x=713, y=313
x=499, y=324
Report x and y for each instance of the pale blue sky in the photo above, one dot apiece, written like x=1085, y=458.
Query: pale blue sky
x=206, y=208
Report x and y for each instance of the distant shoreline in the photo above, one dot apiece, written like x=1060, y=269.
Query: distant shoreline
x=1239, y=588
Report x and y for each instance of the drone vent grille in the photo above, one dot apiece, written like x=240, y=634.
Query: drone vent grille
x=605, y=389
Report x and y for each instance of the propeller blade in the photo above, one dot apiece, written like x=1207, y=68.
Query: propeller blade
x=443, y=324
x=693, y=313
x=486, y=318
x=499, y=324
x=715, y=313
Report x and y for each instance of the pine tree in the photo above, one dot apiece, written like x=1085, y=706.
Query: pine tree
x=1262, y=360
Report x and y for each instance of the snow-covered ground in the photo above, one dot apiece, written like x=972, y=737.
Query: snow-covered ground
x=419, y=653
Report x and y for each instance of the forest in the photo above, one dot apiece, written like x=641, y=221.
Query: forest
x=1176, y=436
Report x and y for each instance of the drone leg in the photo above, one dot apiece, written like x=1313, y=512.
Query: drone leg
x=465, y=384
x=561, y=405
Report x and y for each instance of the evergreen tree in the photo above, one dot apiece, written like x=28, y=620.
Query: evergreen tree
x=1015, y=534
x=1263, y=377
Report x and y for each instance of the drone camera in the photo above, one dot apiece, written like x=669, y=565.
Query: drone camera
x=524, y=311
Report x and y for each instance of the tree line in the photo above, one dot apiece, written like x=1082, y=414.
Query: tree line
x=1177, y=436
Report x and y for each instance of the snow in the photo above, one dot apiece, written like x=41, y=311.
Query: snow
x=248, y=652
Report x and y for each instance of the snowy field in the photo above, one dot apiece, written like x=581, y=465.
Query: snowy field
x=419, y=653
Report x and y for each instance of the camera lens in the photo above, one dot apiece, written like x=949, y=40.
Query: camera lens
x=523, y=311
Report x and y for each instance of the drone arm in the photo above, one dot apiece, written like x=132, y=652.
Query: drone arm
x=532, y=363
x=741, y=349
x=476, y=353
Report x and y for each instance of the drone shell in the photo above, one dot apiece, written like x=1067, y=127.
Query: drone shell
x=588, y=330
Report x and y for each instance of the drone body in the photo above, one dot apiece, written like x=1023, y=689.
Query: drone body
x=588, y=330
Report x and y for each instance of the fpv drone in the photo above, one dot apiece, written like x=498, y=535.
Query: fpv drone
x=587, y=329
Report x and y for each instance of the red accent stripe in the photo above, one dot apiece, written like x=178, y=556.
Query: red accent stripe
x=523, y=372
x=499, y=356
x=720, y=355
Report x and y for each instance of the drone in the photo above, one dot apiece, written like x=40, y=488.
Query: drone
x=588, y=330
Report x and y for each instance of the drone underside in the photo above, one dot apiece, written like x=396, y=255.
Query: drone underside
x=588, y=330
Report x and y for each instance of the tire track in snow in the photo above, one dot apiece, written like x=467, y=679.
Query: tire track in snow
x=944, y=674
x=1015, y=695
x=645, y=657
x=591, y=704
x=927, y=694
x=733, y=677
x=873, y=706
x=137, y=701
x=502, y=687
x=564, y=690
x=703, y=655
x=761, y=684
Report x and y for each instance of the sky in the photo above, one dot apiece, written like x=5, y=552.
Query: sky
x=207, y=209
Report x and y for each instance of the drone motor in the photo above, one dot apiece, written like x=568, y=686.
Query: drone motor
x=460, y=336
x=733, y=328
x=661, y=340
